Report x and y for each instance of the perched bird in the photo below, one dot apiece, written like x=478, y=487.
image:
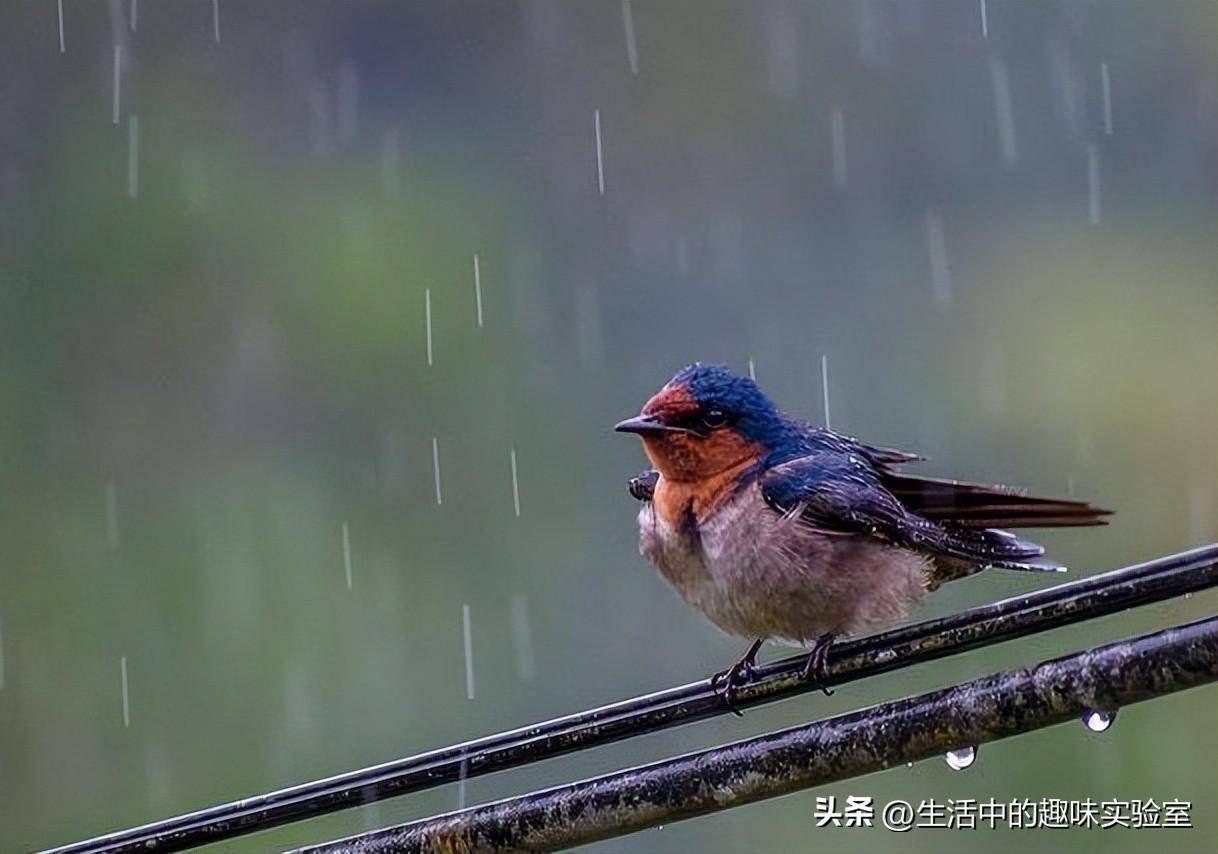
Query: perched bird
x=775, y=529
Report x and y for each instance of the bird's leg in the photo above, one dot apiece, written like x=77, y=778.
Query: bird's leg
x=738, y=674
x=643, y=485
x=814, y=670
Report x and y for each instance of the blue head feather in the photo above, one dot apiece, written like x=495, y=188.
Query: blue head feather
x=749, y=410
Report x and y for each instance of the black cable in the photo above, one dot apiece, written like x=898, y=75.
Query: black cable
x=848, y=660
x=777, y=763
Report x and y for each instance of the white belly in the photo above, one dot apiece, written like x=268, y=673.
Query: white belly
x=756, y=573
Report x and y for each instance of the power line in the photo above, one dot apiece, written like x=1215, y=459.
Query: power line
x=848, y=661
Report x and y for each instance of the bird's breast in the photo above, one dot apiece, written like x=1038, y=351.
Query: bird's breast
x=756, y=572
x=683, y=502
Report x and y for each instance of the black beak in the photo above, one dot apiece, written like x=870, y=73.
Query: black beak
x=646, y=425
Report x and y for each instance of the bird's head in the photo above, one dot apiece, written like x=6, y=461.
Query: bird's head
x=704, y=421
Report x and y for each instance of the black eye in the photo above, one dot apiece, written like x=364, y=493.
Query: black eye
x=713, y=418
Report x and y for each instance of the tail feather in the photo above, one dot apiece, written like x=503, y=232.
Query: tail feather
x=975, y=505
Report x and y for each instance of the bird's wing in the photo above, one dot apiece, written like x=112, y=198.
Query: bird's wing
x=834, y=492
x=958, y=503
x=842, y=494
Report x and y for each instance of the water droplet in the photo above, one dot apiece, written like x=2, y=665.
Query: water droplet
x=468, y=641
x=1097, y=720
x=347, y=553
x=632, y=51
x=515, y=485
x=824, y=387
x=126, y=701
x=961, y=758
x=478, y=292
x=600, y=157
x=427, y=312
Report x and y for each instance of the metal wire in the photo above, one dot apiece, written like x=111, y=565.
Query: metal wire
x=993, y=707
x=848, y=661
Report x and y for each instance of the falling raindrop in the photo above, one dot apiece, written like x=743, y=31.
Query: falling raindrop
x=118, y=82
x=824, y=387
x=126, y=703
x=427, y=312
x=133, y=155
x=435, y=464
x=111, y=515
x=467, y=639
x=936, y=248
x=62, y=47
x=478, y=292
x=1002, y=110
x=135, y=15
x=215, y=19
x=1106, y=87
x=837, y=125
x=632, y=52
x=1093, y=183
x=1096, y=720
x=347, y=553
x=985, y=24
x=752, y=371
x=961, y=758
x=522, y=638
x=600, y=159
x=515, y=485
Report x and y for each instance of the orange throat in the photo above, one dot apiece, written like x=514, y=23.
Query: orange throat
x=674, y=499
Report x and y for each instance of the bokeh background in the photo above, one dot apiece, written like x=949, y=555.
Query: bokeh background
x=214, y=362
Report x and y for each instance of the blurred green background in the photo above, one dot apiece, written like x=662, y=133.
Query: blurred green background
x=213, y=357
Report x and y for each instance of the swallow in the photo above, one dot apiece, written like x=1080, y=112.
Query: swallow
x=778, y=530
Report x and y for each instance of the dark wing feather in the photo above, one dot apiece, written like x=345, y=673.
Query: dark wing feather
x=840, y=494
x=975, y=505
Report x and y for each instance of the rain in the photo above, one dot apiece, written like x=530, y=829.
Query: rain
x=478, y=289
x=600, y=162
x=468, y=643
x=118, y=80
x=307, y=294
x=347, y=554
x=632, y=51
x=515, y=485
x=126, y=699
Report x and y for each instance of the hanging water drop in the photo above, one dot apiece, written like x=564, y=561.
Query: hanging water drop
x=961, y=758
x=1097, y=720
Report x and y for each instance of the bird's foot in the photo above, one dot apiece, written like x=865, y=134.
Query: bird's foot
x=815, y=670
x=740, y=673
